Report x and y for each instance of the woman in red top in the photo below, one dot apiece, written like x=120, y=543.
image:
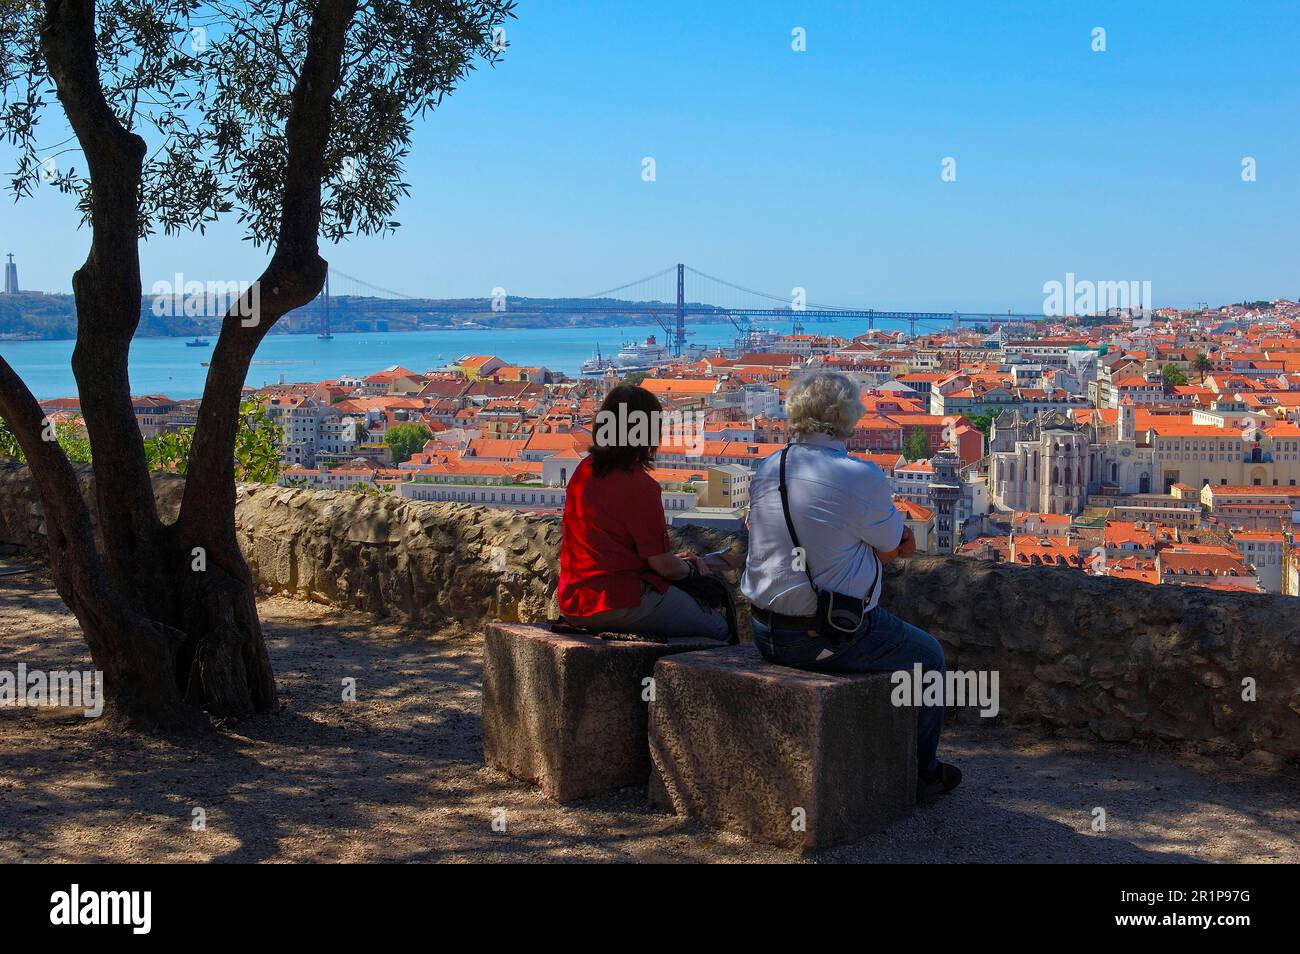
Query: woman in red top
x=616, y=564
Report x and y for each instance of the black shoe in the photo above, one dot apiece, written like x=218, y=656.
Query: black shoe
x=941, y=782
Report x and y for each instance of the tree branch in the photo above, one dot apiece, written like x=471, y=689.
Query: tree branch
x=107, y=290
x=67, y=519
x=79, y=573
x=46, y=459
x=293, y=278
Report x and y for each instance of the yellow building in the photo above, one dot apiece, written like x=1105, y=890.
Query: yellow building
x=1201, y=454
x=728, y=486
x=478, y=366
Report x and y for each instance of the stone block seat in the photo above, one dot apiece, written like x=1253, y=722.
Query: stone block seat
x=799, y=759
x=567, y=711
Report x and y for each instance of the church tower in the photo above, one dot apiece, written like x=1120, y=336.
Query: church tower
x=1124, y=423
x=608, y=382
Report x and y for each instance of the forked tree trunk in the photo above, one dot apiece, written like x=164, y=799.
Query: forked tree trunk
x=168, y=611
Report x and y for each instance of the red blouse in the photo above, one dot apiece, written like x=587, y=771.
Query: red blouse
x=612, y=525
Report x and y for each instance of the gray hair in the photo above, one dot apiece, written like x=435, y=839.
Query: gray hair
x=825, y=402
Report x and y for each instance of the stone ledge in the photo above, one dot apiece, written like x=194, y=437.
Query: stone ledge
x=566, y=712
x=743, y=744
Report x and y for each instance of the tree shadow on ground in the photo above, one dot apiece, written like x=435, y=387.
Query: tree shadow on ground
x=398, y=775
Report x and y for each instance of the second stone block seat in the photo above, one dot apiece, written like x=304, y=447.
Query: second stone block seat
x=795, y=758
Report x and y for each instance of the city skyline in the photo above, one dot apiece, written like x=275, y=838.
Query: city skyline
x=825, y=169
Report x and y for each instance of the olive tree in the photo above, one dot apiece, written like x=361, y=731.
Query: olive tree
x=294, y=117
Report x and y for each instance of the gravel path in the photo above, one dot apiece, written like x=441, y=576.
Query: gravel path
x=398, y=775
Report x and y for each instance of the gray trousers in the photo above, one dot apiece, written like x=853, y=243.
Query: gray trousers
x=668, y=615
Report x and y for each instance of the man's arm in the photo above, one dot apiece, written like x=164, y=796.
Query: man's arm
x=906, y=547
x=875, y=519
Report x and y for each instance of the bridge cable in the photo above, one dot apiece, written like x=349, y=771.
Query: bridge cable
x=750, y=291
x=609, y=291
x=378, y=288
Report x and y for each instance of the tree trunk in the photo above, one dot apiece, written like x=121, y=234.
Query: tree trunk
x=221, y=663
x=168, y=611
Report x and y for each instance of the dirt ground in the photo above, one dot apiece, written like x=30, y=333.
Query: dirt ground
x=398, y=775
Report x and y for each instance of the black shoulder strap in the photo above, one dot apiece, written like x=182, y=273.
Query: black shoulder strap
x=789, y=522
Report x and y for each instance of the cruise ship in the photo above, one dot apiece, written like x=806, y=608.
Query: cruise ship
x=755, y=340
x=642, y=357
x=633, y=356
x=647, y=355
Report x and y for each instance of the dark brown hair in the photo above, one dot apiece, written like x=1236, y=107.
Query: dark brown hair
x=623, y=403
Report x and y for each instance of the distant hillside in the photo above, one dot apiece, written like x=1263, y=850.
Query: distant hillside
x=37, y=315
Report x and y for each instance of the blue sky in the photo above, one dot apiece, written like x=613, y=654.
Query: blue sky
x=821, y=169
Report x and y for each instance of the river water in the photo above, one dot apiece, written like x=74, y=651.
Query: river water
x=167, y=366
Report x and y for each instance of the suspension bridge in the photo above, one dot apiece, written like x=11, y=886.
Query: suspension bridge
x=668, y=296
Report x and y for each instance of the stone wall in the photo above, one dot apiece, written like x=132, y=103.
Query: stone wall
x=390, y=556
x=385, y=555
x=1116, y=659
x=428, y=562
x=1113, y=659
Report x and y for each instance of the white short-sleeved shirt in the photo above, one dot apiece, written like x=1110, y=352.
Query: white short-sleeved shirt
x=843, y=511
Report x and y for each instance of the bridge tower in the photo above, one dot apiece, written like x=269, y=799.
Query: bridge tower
x=679, y=331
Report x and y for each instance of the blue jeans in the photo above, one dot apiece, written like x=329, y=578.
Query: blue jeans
x=885, y=643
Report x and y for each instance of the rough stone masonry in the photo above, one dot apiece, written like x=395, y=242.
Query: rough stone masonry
x=1117, y=660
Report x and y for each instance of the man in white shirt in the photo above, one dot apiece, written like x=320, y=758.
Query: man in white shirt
x=847, y=528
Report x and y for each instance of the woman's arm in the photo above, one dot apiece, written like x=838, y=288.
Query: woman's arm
x=672, y=567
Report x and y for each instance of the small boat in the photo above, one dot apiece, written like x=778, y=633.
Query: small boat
x=326, y=337
x=597, y=364
x=198, y=343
